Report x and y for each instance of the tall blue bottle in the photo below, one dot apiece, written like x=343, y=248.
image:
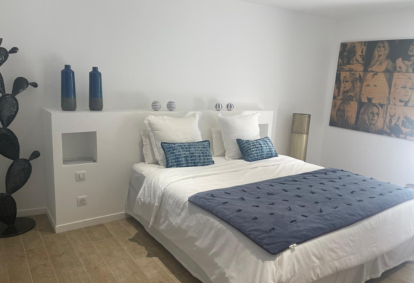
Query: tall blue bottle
x=95, y=90
x=68, y=89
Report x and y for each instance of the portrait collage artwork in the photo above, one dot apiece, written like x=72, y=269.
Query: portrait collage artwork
x=374, y=88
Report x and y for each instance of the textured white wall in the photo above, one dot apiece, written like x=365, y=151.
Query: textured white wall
x=381, y=157
x=196, y=53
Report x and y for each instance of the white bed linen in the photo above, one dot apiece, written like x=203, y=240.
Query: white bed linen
x=142, y=169
x=226, y=255
x=139, y=172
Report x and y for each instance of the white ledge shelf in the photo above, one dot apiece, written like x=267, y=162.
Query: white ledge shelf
x=78, y=160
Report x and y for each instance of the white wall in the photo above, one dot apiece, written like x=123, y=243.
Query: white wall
x=381, y=157
x=195, y=52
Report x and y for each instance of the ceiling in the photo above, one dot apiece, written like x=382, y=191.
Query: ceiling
x=340, y=9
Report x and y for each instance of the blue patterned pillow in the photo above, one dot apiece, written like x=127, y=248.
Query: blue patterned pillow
x=257, y=149
x=187, y=154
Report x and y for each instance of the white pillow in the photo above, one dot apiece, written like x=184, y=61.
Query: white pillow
x=148, y=150
x=244, y=127
x=218, y=144
x=171, y=129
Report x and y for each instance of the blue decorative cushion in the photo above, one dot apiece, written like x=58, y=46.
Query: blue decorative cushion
x=257, y=149
x=187, y=154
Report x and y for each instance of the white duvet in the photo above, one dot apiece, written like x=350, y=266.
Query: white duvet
x=226, y=255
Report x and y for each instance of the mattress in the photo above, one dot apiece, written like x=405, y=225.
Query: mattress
x=225, y=255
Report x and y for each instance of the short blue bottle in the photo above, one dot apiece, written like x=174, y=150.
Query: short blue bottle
x=68, y=90
x=95, y=90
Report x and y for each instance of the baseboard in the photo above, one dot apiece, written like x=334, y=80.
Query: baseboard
x=51, y=219
x=89, y=222
x=72, y=225
x=31, y=211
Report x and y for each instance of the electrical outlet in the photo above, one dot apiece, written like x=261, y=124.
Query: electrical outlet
x=83, y=200
x=80, y=176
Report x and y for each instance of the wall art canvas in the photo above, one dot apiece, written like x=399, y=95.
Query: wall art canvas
x=374, y=88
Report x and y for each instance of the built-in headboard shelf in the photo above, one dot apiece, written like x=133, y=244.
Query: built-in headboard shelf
x=104, y=144
x=122, y=128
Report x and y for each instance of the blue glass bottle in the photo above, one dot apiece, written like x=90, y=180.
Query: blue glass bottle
x=68, y=90
x=95, y=90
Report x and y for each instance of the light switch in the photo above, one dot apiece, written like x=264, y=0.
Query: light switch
x=80, y=175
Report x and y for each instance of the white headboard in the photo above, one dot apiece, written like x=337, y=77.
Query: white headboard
x=113, y=139
x=119, y=130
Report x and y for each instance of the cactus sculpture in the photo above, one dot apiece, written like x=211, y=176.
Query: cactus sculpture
x=20, y=170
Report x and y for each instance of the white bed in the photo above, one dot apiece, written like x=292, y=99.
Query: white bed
x=214, y=251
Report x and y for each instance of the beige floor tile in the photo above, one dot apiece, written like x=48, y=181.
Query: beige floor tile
x=133, y=248
x=3, y=261
x=120, y=263
x=98, y=233
x=4, y=274
x=11, y=246
x=145, y=240
x=92, y=261
x=32, y=239
x=141, y=235
x=153, y=270
x=387, y=276
x=127, y=222
x=18, y=270
x=40, y=266
x=43, y=224
x=167, y=260
x=185, y=277
x=409, y=264
x=403, y=275
x=132, y=225
x=118, y=230
x=127, y=240
x=65, y=261
x=382, y=280
x=82, y=244
x=97, y=269
x=71, y=277
x=13, y=258
x=137, y=277
x=56, y=239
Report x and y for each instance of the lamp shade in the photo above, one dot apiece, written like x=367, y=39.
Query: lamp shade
x=299, y=135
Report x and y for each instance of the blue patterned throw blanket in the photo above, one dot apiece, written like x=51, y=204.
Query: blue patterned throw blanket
x=281, y=212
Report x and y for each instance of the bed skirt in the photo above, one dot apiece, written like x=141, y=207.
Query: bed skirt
x=357, y=274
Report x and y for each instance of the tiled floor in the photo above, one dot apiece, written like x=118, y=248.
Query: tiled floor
x=403, y=273
x=120, y=251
